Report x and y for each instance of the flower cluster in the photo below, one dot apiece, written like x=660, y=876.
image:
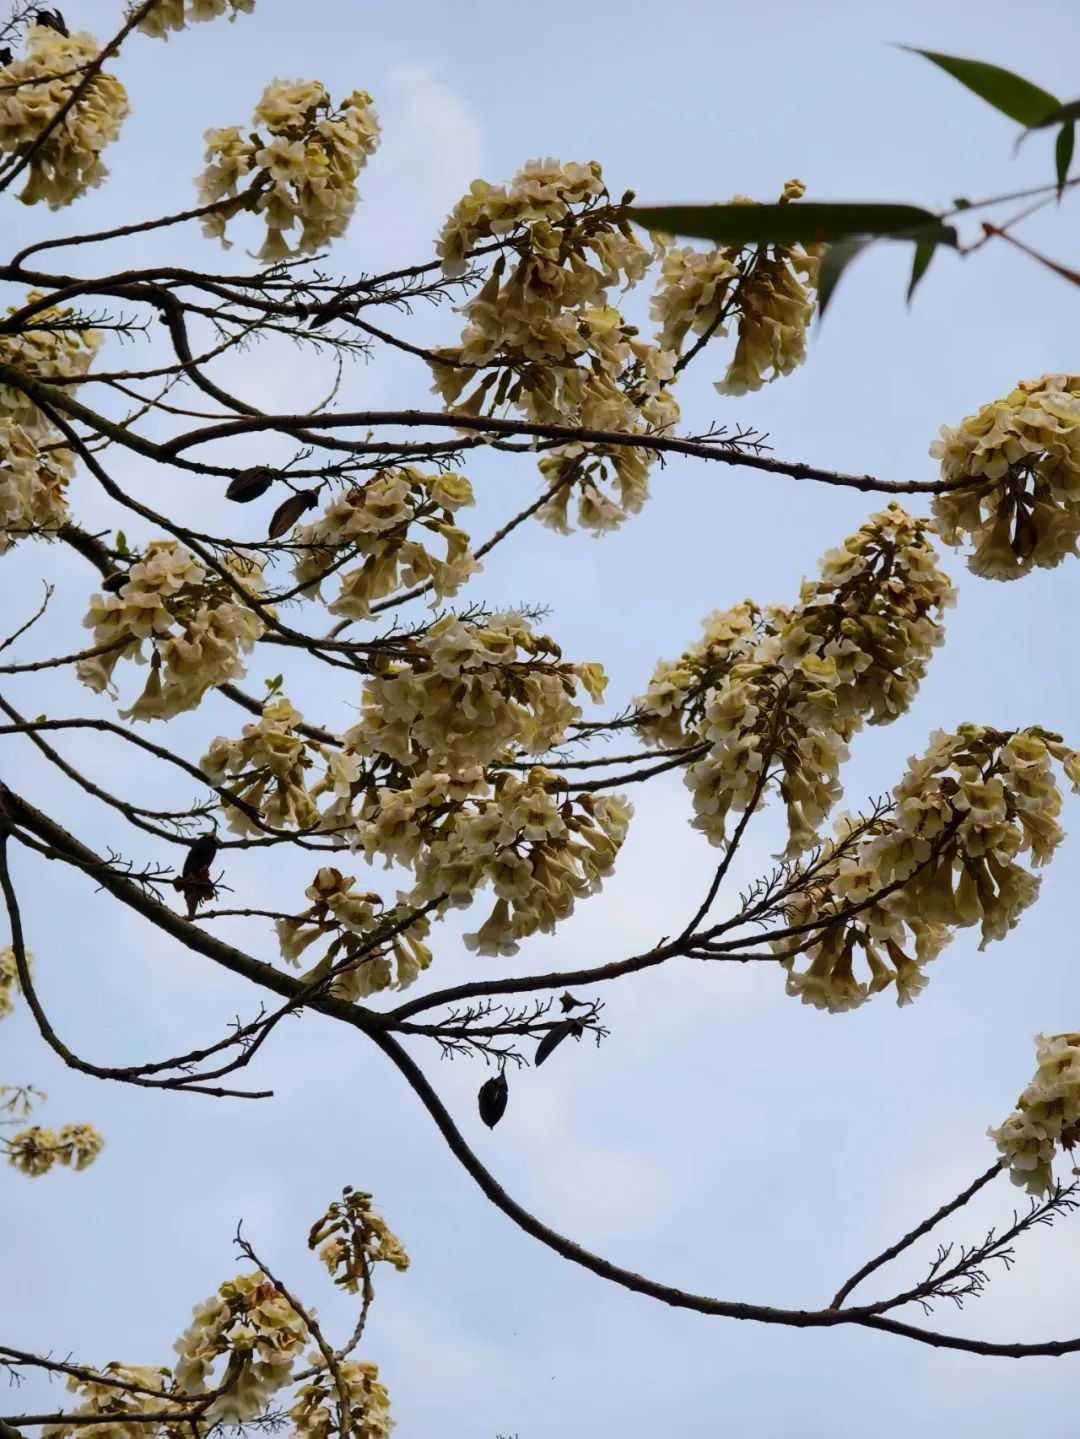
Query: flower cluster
x=128, y=1407
x=315, y=1412
x=779, y=692
x=374, y=522
x=1047, y=1114
x=608, y=482
x=34, y=1151
x=767, y=289
x=351, y=1237
x=272, y=762
x=541, y=194
x=51, y=344
x=303, y=169
x=540, y=849
x=1018, y=464
x=9, y=979
x=170, y=15
x=435, y=728
x=541, y=335
x=945, y=857
x=365, y=938
x=66, y=162
x=34, y=466
x=252, y=1322
x=197, y=625
x=33, y=486
x=466, y=692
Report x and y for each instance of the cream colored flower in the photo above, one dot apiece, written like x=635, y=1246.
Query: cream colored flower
x=298, y=170
x=196, y=624
x=169, y=15
x=1047, y=1114
x=1019, y=461
x=32, y=89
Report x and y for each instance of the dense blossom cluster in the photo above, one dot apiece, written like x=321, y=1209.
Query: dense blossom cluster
x=196, y=623
x=467, y=692
x=779, y=692
x=35, y=1150
x=1047, y=1115
x=301, y=171
x=251, y=1322
x=377, y=523
x=542, y=336
x=315, y=1412
x=67, y=162
x=768, y=290
x=1021, y=509
x=540, y=849
x=279, y=775
x=473, y=696
x=371, y=948
x=34, y=466
x=168, y=15
x=946, y=856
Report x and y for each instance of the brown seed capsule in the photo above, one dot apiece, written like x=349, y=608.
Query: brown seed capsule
x=251, y=484
x=554, y=1038
x=201, y=854
x=287, y=513
x=492, y=1100
x=115, y=582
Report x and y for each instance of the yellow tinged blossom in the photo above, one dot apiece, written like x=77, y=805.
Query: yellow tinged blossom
x=33, y=88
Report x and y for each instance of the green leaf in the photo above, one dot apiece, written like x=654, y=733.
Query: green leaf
x=924, y=253
x=834, y=262
x=1063, y=153
x=1057, y=116
x=812, y=222
x=121, y=543
x=1011, y=94
x=272, y=686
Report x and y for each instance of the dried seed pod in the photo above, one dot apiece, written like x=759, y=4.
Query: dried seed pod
x=554, y=1038
x=492, y=1100
x=287, y=513
x=251, y=484
x=115, y=582
x=201, y=855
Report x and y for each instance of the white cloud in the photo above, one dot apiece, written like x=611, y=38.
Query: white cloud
x=432, y=136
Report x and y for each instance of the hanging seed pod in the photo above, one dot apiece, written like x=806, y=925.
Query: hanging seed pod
x=554, y=1038
x=568, y=1002
x=115, y=582
x=251, y=484
x=201, y=855
x=287, y=513
x=492, y=1100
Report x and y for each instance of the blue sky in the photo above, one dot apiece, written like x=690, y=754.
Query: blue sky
x=724, y=1138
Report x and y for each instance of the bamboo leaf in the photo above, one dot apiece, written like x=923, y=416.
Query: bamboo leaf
x=924, y=253
x=1011, y=94
x=1063, y=153
x=807, y=222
